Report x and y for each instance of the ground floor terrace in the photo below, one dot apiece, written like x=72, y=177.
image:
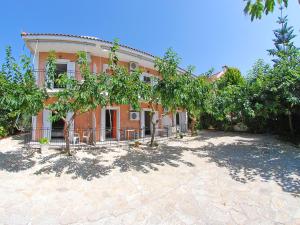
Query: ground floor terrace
x=213, y=178
x=118, y=122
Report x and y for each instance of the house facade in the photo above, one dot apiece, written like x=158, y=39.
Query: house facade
x=111, y=122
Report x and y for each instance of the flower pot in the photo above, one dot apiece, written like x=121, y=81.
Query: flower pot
x=44, y=147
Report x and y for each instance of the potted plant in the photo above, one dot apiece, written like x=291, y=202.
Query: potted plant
x=43, y=144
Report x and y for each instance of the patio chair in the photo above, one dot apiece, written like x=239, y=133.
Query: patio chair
x=76, y=139
x=86, y=136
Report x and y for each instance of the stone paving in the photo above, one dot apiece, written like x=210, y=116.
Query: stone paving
x=214, y=178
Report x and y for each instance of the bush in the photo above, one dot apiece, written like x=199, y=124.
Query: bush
x=44, y=141
x=3, y=132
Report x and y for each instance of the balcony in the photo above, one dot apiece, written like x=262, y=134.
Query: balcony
x=40, y=76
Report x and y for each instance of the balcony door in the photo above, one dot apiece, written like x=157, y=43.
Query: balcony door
x=61, y=68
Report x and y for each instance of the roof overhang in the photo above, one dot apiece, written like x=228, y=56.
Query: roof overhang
x=44, y=42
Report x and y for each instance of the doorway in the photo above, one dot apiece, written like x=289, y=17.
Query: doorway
x=177, y=119
x=57, y=131
x=111, y=123
x=147, y=120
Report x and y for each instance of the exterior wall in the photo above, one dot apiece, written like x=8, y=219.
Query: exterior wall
x=85, y=120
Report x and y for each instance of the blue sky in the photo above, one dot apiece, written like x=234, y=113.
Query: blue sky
x=205, y=34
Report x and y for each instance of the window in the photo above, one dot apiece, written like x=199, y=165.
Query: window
x=60, y=69
x=147, y=79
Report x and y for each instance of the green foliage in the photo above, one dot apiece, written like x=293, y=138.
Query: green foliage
x=50, y=69
x=3, y=132
x=124, y=87
x=256, y=8
x=44, y=141
x=20, y=97
x=78, y=96
x=232, y=76
x=170, y=86
x=229, y=99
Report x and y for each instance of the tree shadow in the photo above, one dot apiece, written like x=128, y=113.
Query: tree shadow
x=93, y=163
x=248, y=160
x=148, y=159
x=85, y=168
x=15, y=161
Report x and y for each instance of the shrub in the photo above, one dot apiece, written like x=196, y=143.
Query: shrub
x=44, y=141
x=3, y=132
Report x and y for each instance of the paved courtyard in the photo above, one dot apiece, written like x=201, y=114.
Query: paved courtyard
x=214, y=178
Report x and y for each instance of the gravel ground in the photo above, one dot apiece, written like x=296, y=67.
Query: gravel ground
x=214, y=178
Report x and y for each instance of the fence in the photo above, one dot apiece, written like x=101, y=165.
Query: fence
x=94, y=137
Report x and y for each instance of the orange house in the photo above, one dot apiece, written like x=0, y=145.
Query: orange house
x=110, y=122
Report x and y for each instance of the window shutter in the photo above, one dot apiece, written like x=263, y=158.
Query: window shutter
x=104, y=68
x=142, y=77
x=183, y=121
x=94, y=68
x=102, y=124
x=33, y=127
x=71, y=69
x=47, y=124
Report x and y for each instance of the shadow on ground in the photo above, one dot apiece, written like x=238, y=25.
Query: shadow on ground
x=248, y=158
x=93, y=163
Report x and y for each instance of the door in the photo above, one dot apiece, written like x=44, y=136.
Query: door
x=57, y=129
x=147, y=122
x=111, y=123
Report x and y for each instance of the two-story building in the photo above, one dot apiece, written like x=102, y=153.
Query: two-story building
x=111, y=121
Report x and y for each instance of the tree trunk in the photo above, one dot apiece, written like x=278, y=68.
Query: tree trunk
x=93, y=133
x=291, y=123
x=193, y=124
x=153, y=123
x=67, y=138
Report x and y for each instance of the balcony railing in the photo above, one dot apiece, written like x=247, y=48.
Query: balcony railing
x=41, y=76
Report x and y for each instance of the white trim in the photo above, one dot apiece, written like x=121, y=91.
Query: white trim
x=102, y=124
x=105, y=68
x=95, y=69
x=183, y=120
x=33, y=126
x=174, y=119
x=36, y=68
x=47, y=124
x=94, y=43
x=62, y=61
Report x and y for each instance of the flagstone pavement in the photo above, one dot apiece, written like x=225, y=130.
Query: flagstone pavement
x=214, y=178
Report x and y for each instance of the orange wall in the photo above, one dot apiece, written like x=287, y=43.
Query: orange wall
x=85, y=120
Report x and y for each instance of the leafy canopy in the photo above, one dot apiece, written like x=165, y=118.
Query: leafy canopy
x=256, y=8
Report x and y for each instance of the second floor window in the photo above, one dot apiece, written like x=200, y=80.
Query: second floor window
x=147, y=79
x=60, y=69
